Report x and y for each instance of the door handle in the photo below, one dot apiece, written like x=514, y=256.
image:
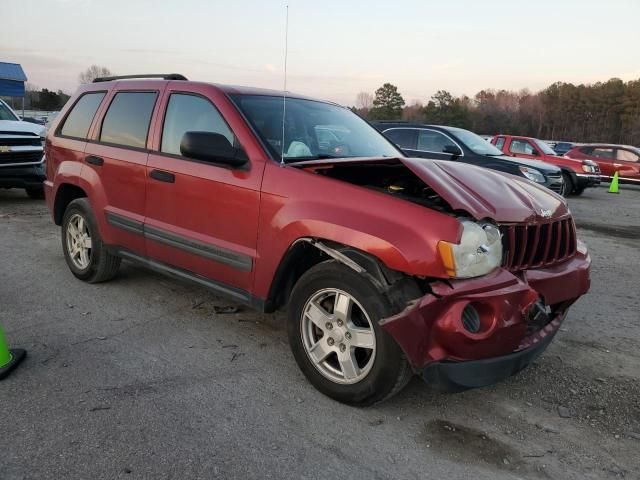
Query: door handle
x=93, y=160
x=162, y=176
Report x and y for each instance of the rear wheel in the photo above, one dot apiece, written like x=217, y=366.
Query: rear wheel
x=86, y=255
x=36, y=193
x=567, y=187
x=336, y=340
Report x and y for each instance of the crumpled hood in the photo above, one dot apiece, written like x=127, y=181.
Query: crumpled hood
x=20, y=126
x=484, y=193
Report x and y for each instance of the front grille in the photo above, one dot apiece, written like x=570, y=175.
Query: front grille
x=9, y=158
x=541, y=245
x=12, y=141
x=556, y=183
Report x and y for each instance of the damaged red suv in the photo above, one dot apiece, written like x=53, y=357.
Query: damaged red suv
x=387, y=265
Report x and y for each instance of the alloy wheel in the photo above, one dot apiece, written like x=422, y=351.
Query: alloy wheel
x=338, y=336
x=78, y=241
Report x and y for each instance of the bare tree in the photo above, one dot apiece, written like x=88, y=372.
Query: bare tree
x=93, y=72
x=364, y=101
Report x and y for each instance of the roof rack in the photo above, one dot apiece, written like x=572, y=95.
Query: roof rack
x=164, y=76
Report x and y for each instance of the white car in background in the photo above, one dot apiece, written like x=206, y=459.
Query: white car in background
x=21, y=153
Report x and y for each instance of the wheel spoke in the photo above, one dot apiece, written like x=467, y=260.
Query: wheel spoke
x=317, y=315
x=72, y=229
x=84, y=257
x=348, y=364
x=319, y=351
x=80, y=224
x=362, y=337
x=86, y=243
x=342, y=307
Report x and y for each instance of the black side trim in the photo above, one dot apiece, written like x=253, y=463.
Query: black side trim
x=125, y=223
x=222, y=255
x=206, y=250
x=233, y=292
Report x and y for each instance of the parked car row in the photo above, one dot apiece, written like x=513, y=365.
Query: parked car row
x=388, y=266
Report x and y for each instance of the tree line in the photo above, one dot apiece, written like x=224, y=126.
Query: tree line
x=600, y=112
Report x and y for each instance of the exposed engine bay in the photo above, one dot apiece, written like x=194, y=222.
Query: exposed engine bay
x=392, y=178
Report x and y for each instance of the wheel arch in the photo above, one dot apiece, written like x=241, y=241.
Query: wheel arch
x=65, y=194
x=306, y=252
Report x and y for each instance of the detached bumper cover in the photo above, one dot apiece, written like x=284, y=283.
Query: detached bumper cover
x=431, y=333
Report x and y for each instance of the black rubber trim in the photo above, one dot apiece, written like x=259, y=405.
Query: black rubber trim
x=17, y=356
x=233, y=292
x=125, y=223
x=459, y=376
x=222, y=255
x=206, y=250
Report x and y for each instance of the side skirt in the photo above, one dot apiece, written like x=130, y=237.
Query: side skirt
x=219, y=288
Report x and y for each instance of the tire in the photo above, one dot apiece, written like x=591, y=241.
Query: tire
x=578, y=191
x=98, y=265
x=383, y=370
x=568, y=187
x=35, y=193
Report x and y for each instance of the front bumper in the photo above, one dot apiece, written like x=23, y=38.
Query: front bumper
x=24, y=176
x=586, y=180
x=432, y=335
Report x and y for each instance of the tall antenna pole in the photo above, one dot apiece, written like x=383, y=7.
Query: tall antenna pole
x=284, y=96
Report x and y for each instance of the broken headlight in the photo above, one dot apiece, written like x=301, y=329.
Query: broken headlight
x=478, y=253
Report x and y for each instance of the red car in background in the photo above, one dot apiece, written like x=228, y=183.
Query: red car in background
x=623, y=159
x=577, y=174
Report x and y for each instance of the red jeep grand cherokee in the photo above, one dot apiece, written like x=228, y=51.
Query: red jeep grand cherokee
x=577, y=174
x=387, y=265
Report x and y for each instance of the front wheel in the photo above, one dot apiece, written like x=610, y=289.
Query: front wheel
x=567, y=187
x=336, y=340
x=86, y=255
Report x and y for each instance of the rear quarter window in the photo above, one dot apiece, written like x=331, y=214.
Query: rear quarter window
x=81, y=115
x=127, y=120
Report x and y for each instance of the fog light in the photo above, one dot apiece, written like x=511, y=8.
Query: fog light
x=471, y=319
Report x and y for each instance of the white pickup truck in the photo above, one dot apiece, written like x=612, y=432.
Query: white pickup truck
x=21, y=153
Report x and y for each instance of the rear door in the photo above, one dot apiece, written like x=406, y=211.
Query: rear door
x=202, y=218
x=523, y=148
x=628, y=164
x=115, y=164
x=405, y=138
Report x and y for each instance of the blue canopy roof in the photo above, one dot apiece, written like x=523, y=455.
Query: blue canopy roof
x=12, y=80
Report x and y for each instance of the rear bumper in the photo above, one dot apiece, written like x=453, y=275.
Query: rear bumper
x=433, y=337
x=27, y=176
x=459, y=376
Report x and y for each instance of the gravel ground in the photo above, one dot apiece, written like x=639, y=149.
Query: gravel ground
x=141, y=378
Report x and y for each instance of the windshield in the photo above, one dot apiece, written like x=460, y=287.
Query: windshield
x=312, y=129
x=5, y=113
x=474, y=142
x=546, y=149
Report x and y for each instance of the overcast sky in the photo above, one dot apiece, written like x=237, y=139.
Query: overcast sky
x=337, y=48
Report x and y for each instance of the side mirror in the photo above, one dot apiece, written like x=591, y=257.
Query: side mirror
x=211, y=147
x=535, y=153
x=452, y=150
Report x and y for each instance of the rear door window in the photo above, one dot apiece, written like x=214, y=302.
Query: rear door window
x=127, y=120
x=500, y=143
x=626, y=155
x=190, y=113
x=432, y=141
x=403, y=137
x=79, y=119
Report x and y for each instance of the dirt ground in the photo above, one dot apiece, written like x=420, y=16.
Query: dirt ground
x=141, y=378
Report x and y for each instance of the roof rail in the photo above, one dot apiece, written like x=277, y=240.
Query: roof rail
x=164, y=76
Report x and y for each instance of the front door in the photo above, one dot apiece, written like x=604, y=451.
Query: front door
x=201, y=218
